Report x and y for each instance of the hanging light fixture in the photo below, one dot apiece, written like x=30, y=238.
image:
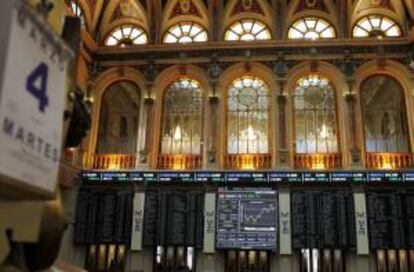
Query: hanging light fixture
x=177, y=134
x=324, y=133
x=251, y=135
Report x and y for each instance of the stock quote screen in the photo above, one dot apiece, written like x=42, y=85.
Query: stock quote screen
x=247, y=218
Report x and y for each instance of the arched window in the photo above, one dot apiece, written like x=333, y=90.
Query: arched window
x=248, y=116
x=247, y=30
x=182, y=118
x=119, y=112
x=126, y=35
x=384, y=115
x=315, y=116
x=77, y=11
x=376, y=26
x=185, y=32
x=311, y=28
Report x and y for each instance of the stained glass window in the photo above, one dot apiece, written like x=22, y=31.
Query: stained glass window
x=311, y=28
x=376, y=26
x=186, y=32
x=315, y=116
x=248, y=116
x=118, y=128
x=182, y=118
x=77, y=11
x=247, y=30
x=384, y=115
x=126, y=35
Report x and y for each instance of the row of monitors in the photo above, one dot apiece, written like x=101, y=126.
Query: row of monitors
x=244, y=176
x=243, y=217
x=250, y=219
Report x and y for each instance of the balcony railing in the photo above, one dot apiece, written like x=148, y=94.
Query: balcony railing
x=113, y=161
x=318, y=161
x=389, y=160
x=248, y=161
x=179, y=162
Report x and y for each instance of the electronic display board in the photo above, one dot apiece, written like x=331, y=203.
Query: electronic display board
x=322, y=219
x=348, y=176
x=385, y=219
x=210, y=177
x=385, y=176
x=409, y=176
x=247, y=177
x=316, y=177
x=114, y=176
x=247, y=218
x=390, y=218
x=173, y=218
x=250, y=176
x=285, y=177
x=143, y=176
x=91, y=176
x=176, y=177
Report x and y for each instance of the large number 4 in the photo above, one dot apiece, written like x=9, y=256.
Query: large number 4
x=36, y=85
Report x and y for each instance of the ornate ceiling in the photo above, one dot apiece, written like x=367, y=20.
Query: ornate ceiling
x=156, y=16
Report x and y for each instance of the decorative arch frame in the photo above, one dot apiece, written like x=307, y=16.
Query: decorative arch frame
x=119, y=23
x=330, y=16
x=381, y=12
x=224, y=82
x=100, y=85
x=400, y=74
x=162, y=82
x=267, y=27
x=341, y=88
x=169, y=22
x=107, y=25
x=311, y=13
x=229, y=19
x=358, y=13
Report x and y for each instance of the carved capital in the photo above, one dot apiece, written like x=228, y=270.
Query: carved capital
x=280, y=68
x=350, y=97
x=214, y=69
x=148, y=101
x=150, y=72
x=211, y=155
x=281, y=99
x=355, y=155
x=213, y=100
x=283, y=155
x=143, y=156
